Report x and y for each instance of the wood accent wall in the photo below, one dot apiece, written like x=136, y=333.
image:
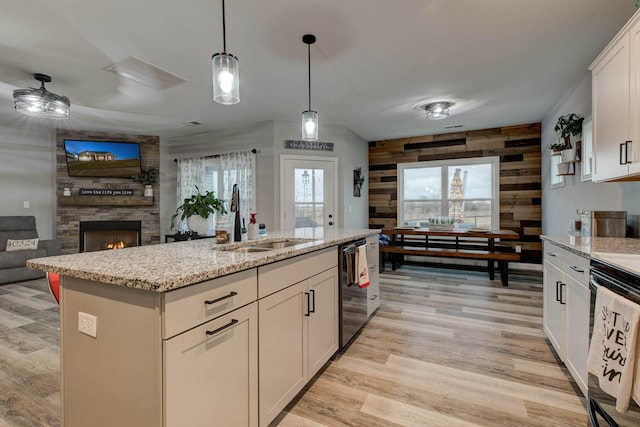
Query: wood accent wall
x=520, y=176
x=69, y=215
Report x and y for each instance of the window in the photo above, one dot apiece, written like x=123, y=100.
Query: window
x=465, y=189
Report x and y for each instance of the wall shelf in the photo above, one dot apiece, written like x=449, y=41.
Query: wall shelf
x=571, y=168
x=105, y=201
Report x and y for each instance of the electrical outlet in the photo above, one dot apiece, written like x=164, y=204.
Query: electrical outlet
x=87, y=324
x=518, y=249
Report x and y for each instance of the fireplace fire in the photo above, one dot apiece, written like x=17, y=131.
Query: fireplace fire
x=105, y=235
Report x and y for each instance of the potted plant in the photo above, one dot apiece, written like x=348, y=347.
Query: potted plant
x=567, y=126
x=148, y=178
x=196, y=209
x=67, y=185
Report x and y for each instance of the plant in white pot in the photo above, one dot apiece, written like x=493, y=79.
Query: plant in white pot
x=148, y=178
x=568, y=127
x=197, y=209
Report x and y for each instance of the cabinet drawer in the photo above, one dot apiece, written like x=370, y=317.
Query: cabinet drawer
x=373, y=243
x=577, y=267
x=554, y=255
x=279, y=275
x=193, y=305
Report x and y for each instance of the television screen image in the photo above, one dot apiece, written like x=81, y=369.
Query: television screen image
x=102, y=158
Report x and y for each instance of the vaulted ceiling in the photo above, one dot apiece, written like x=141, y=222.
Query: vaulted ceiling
x=501, y=62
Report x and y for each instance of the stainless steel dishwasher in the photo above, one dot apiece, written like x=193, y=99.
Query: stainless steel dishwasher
x=353, y=299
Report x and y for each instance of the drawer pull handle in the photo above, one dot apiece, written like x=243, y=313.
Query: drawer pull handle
x=222, y=328
x=375, y=297
x=576, y=269
x=551, y=254
x=213, y=301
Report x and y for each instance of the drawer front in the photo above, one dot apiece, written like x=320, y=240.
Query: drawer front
x=373, y=243
x=282, y=274
x=554, y=255
x=577, y=267
x=193, y=305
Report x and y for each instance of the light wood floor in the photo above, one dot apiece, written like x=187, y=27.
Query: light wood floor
x=445, y=349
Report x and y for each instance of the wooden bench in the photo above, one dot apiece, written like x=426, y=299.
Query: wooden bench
x=461, y=247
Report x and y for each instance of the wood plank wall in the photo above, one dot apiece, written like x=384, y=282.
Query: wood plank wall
x=520, y=176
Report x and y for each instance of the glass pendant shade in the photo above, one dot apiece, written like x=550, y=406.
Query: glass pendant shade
x=40, y=102
x=310, y=125
x=226, y=87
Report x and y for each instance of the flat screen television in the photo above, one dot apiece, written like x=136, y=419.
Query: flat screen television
x=102, y=158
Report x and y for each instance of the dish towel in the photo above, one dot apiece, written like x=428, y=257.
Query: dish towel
x=363, y=268
x=613, y=349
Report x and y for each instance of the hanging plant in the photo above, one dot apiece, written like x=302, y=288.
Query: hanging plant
x=567, y=126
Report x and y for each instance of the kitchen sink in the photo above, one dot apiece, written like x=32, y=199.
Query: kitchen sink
x=282, y=244
x=250, y=249
x=253, y=247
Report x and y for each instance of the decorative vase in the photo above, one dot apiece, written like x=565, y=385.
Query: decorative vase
x=199, y=225
x=563, y=168
x=569, y=155
x=66, y=191
x=148, y=191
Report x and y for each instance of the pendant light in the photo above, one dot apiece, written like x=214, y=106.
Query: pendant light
x=226, y=88
x=41, y=102
x=309, y=117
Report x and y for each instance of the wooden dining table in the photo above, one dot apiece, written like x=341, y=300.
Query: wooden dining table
x=466, y=243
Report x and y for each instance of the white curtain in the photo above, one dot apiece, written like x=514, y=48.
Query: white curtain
x=239, y=168
x=190, y=174
x=224, y=171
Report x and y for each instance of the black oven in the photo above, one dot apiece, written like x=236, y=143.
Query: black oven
x=601, y=406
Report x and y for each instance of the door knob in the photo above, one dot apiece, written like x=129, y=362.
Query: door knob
x=330, y=216
x=330, y=222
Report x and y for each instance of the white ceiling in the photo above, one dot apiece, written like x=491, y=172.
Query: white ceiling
x=502, y=62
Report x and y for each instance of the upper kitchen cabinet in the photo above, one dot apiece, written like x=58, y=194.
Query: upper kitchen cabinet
x=616, y=106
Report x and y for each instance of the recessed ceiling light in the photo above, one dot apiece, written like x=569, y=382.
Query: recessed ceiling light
x=145, y=73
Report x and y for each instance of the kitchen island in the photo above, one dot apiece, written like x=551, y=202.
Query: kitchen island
x=168, y=334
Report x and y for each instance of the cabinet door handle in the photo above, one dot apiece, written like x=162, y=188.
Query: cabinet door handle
x=222, y=328
x=576, y=269
x=626, y=152
x=561, y=285
x=622, y=144
x=313, y=301
x=213, y=301
x=551, y=254
x=306, y=294
x=557, y=290
x=375, y=297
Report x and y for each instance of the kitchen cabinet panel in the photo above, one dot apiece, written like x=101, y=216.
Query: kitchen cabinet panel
x=373, y=290
x=566, y=308
x=198, y=362
x=616, y=105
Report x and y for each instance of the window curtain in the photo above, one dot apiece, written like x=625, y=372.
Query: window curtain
x=190, y=175
x=239, y=168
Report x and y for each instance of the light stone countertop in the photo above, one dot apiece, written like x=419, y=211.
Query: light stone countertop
x=617, y=251
x=168, y=266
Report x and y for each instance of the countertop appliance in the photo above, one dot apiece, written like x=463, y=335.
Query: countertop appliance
x=353, y=299
x=603, y=223
x=601, y=406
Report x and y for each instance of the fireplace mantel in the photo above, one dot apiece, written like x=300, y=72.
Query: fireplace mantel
x=105, y=201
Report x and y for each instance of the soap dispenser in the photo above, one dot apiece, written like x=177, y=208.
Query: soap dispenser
x=253, y=227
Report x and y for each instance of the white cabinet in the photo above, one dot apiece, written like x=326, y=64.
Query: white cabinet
x=298, y=330
x=553, y=306
x=616, y=105
x=566, y=308
x=373, y=290
x=211, y=372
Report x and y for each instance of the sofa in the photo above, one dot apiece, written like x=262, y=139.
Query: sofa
x=13, y=262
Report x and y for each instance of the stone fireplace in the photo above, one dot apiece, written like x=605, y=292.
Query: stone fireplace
x=102, y=235
x=74, y=212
